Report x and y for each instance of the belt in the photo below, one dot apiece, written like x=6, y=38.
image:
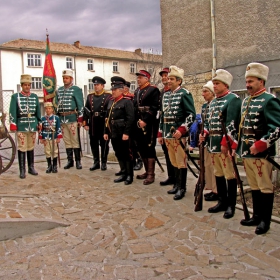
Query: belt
x=251, y=131
x=97, y=114
x=29, y=115
x=167, y=120
x=144, y=108
x=116, y=121
x=215, y=132
x=66, y=113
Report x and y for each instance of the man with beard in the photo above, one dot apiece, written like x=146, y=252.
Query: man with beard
x=259, y=131
x=69, y=105
x=146, y=106
x=94, y=121
x=227, y=104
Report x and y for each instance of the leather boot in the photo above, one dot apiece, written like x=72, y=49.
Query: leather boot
x=77, y=153
x=183, y=181
x=231, y=198
x=129, y=173
x=70, y=162
x=122, y=176
x=267, y=206
x=139, y=164
x=222, y=194
x=104, y=156
x=54, y=169
x=49, y=169
x=144, y=175
x=30, y=163
x=21, y=163
x=176, y=183
x=168, y=181
x=256, y=218
x=150, y=172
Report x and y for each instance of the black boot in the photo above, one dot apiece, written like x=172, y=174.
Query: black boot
x=168, y=181
x=30, y=162
x=21, y=163
x=77, y=153
x=122, y=176
x=176, y=183
x=50, y=168
x=183, y=181
x=54, y=170
x=267, y=206
x=256, y=218
x=122, y=169
x=170, y=169
x=222, y=193
x=129, y=173
x=70, y=162
x=139, y=164
x=231, y=198
x=104, y=155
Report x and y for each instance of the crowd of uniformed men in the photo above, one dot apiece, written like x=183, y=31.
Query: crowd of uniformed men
x=133, y=122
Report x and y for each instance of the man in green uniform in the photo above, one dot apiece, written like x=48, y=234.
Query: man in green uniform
x=69, y=107
x=178, y=114
x=25, y=116
x=258, y=132
x=227, y=104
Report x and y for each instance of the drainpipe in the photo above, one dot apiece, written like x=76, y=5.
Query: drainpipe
x=213, y=29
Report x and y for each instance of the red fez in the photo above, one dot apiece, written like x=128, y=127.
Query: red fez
x=164, y=70
x=144, y=73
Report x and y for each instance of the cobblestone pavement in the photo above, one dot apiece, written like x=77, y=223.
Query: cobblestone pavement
x=125, y=232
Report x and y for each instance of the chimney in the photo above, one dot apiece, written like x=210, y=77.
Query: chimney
x=138, y=51
x=77, y=44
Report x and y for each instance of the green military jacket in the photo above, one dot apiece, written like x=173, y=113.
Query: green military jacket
x=69, y=104
x=25, y=113
x=260, y=125
x=229, y=106
x=178, y=111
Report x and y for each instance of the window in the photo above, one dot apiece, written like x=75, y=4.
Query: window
x=34, y=60
x=69, y=63
x=115, y=66
x=132, y=67
x=132, y=86
x=150, y=69
x=36, y=83
x=90, y=85
x=90, y=65
x=241, y=93
x=275, y=91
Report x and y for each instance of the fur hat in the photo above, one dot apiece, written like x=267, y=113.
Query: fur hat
x=67, y=72
x=209, y=86
x=176, y=72
x=25, y=78
x=48, y=104
x=258, y=70
x=223, y=76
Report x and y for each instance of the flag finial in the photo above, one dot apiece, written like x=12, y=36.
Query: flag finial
x=47, y=32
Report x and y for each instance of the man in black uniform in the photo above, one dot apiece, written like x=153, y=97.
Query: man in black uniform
x=94, y=121
x=119, y=120
x=146, y=105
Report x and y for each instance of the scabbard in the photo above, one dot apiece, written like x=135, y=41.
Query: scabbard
x=273, y=162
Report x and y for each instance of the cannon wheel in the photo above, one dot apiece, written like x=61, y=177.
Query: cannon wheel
x=7, y=153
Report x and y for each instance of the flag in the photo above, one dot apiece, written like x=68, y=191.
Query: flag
x=49, y=77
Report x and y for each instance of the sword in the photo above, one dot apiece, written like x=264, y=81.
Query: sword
x=79, y=138
x=52, y=143
x=159, y=164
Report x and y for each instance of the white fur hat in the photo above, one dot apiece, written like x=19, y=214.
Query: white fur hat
x=223, y=76
x=209, y=86
x=176, y=72
x=258, y=70
x=48, y=104
x=25, y=78
x=67, y=72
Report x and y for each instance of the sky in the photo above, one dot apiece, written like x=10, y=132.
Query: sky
x=114, y=24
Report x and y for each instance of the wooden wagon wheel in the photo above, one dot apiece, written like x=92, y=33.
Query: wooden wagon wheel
x=7, y=147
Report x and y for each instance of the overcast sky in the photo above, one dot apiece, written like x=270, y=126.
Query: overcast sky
x=116, y=24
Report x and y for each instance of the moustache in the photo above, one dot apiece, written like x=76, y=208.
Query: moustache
x=249, y=88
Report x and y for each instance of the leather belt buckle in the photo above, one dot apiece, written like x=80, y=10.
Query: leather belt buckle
x=96, y=114
x=29, y=115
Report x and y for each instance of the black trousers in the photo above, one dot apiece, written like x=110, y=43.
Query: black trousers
x=122, y=149
x=95, y=142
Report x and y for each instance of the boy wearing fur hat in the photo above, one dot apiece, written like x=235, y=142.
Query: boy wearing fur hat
x=50, y=136
x=25, y=117
x=259, y=130
x=228, y=104
x=178, y=114
x=69, y=105
x=210, y=180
